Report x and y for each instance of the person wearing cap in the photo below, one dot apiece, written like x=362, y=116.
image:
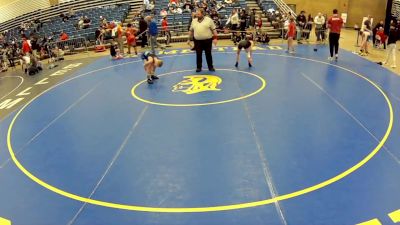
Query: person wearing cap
x=204, y=33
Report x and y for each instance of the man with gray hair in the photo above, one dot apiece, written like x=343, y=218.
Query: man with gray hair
x=153, y=33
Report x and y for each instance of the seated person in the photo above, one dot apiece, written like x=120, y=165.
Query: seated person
x=64, y=36
x=86, y=22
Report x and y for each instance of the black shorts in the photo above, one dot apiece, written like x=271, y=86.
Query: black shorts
x=244, y=44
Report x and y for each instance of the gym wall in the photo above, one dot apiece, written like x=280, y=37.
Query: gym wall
x=355, y=9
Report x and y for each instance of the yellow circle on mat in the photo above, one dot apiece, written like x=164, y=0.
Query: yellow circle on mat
x=263, y=84
x=210, y=208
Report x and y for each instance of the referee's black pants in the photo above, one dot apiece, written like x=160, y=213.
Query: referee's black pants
x=206, y=46
x=334, y=43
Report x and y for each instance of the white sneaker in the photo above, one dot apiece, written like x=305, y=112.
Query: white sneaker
x=336, y=57
x=330, y=58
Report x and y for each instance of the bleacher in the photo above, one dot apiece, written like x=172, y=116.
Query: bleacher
x=111, y=13
x=267, y=4
x=52, y=20
x=179, y=23
x=56, y=25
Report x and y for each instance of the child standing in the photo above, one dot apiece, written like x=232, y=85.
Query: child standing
x=291, y=34
x=114, y=52
x=131, y=38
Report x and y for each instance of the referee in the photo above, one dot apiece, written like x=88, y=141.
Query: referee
x=204, y=33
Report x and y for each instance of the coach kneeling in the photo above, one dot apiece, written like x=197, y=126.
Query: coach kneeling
x=203, y=30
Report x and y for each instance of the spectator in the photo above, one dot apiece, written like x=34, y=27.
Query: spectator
x=142, y=28
x=259, y=22
x=103, y=21
x=71, y=12
x=80, y=23
x=131, y=38
x=391, y=51
x=64, y=17
x=366, y=34
x=252, y=21
x=150, y=6
x=375, y=30
x=319, y=21
x=220, y=6
x=119, y=34
x=301, y=22
x=172, y=9
x=187, y=7
x=214, y=14
x=290, y=35
x=64, y=36
x=234, y=23
x=164, y=25
x=86, y=22
x=99, y=36
x=380, y=38
x=153, y=33
x=146, y=4
x=243, y=22
x=235, y=3
x=308, y=27
x=26, y=46
x=163, y=12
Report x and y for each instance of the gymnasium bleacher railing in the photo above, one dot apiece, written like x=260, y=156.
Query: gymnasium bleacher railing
x=284, y=7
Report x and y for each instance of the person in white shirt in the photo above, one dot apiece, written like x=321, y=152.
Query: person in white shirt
x=234, y=21
x=319, y=21
x=146, y=3
x=163, y=13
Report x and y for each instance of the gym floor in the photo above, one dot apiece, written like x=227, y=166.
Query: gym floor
x=295, y=139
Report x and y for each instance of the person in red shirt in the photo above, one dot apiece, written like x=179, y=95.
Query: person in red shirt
x=26, y=47
x=291, y=34
x=164, y=25
x=259, y=22
x=335, y=24
x=131, y=38
x=64, y=36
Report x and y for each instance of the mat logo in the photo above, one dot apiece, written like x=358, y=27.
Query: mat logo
x=197, y=83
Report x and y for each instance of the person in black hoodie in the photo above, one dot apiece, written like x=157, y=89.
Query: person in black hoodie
x=143, y=28
x=391, y=48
